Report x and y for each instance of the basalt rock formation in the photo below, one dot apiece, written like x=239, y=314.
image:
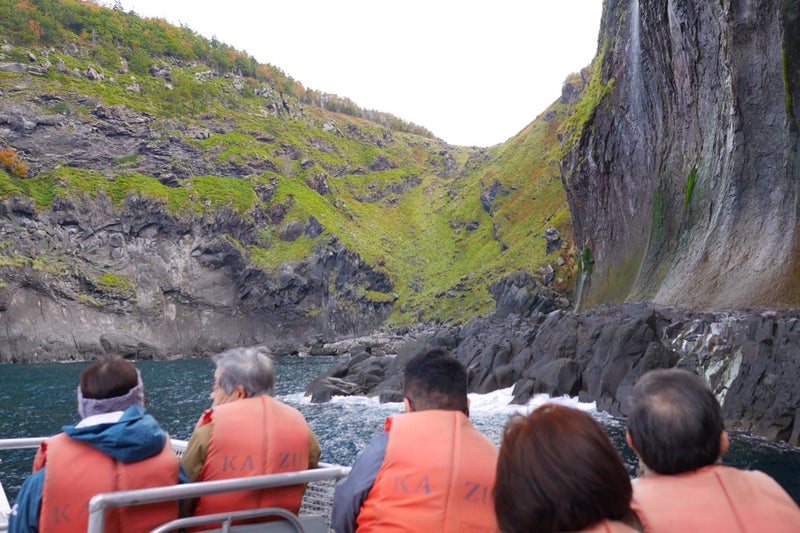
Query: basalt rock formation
x=684, y=178
x=751, y=360
x=193, y=291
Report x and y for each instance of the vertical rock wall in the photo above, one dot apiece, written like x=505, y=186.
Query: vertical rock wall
x=684, y=181
x=179, y=286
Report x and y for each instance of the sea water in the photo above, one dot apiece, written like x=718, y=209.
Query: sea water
x=37, y=399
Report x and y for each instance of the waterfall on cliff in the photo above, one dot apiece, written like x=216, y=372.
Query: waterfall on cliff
x=579, y=290
x=634, y=68
x=636, y=92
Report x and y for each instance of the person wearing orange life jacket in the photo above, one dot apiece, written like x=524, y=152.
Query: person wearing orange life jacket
x=675, y=426
x=430, y=470
x=246, y=433
x=115, y=446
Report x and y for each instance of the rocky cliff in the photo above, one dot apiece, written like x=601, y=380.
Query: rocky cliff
x=683, y=176
x=157, y=200
x=95, y=260
x=681, y=165
x=92, y=280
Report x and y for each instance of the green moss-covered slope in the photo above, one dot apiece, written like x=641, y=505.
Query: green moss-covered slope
x=203, y=128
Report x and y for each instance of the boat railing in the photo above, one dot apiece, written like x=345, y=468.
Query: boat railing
x=13, y=444
x=20, y=443
x=288, y=523
x=316, y=506
x=178, y=445
x=100, y=503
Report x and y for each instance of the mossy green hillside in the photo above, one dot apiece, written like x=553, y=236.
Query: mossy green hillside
x=388, y=198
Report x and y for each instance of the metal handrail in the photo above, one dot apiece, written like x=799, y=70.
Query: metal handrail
x=20, y=443
x=33, y=442
x=228, y=518
x=99, y=503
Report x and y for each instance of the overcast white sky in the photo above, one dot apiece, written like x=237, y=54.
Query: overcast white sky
x=472, y=72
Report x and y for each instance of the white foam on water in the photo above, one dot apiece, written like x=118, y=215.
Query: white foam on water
x=496, y=402
x=499, y=402
x=300, y=398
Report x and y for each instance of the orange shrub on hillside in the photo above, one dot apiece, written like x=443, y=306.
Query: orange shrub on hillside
x=35, y=27
x=10, y=161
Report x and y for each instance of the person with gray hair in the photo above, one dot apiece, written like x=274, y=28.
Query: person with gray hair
x=247, y=432
x=675, y=426
x=116, y=446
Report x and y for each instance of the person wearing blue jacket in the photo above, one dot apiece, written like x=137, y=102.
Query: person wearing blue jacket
x=115, y=446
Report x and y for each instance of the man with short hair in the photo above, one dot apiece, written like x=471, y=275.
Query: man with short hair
x=247, y=432
x=675, y=426
x=430, y=470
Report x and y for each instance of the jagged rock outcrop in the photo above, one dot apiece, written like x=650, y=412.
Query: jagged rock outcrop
x=683, y=179
x=751, y=360
x=518, y=293
x=86, y=279
x=114, y=137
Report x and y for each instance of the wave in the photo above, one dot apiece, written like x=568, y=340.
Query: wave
x=496, y=402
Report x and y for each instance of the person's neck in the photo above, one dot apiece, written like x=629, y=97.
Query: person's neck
x=642, y=470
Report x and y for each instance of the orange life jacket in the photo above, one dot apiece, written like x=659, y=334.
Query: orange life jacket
x=75, y=472
x=252, y=437
x=715, y=498
x=437, y=475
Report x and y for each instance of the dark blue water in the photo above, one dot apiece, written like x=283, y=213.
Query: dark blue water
x=36, y=400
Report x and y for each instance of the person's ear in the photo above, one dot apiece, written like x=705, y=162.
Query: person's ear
x=724, y=443
x=407, y=403
x=239, y=393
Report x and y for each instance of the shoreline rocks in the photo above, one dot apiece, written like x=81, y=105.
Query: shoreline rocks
x=750, y=358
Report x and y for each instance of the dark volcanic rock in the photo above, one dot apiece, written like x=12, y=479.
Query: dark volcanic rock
x=764, y=397
x=489, y=195
x=138, y=281
x=751, y=360
x=128, y=346
x=557, y=378
x=324, y=389
x=519, y=294
x=553, y=240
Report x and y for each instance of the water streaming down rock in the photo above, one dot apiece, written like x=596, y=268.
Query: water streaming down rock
x=583, y=279
x=683, y=177
x=634, y=62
